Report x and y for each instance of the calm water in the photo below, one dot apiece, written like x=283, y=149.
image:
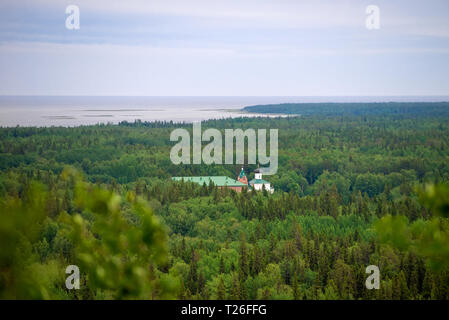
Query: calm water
x=75, y=111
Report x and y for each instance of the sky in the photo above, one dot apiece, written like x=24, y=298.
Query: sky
x=224, y=48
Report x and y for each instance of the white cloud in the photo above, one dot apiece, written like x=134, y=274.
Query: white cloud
x=284, y=13
x=229, y=51
x=107, y=50
x=222, y=47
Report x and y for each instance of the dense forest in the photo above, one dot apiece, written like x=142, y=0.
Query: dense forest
x=355, y=187
x=356, y=108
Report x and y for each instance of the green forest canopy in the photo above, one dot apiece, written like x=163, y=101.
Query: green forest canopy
x=341, y=175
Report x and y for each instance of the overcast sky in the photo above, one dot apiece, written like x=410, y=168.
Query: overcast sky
x=224, y=47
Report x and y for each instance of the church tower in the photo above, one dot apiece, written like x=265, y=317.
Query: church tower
x=258, y=174
x=242, y=177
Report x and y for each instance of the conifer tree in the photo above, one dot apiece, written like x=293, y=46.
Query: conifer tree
x=221, y=290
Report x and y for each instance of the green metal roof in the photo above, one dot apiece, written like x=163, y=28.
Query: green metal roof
x=258, y=181
x=219, y=181
x=242, y=173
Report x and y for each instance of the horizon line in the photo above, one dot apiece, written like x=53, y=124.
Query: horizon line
x=222, y=96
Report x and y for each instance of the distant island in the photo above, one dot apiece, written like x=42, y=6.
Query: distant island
x=372, y=108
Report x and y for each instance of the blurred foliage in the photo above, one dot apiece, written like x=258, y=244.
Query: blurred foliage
x=117, y=255
x=428, y=238
x=436, y=198
x=21, y=222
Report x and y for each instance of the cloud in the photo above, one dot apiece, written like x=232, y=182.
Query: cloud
x=222, y=47
x=281, y=13
x=259, y=13
x=108, y=50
